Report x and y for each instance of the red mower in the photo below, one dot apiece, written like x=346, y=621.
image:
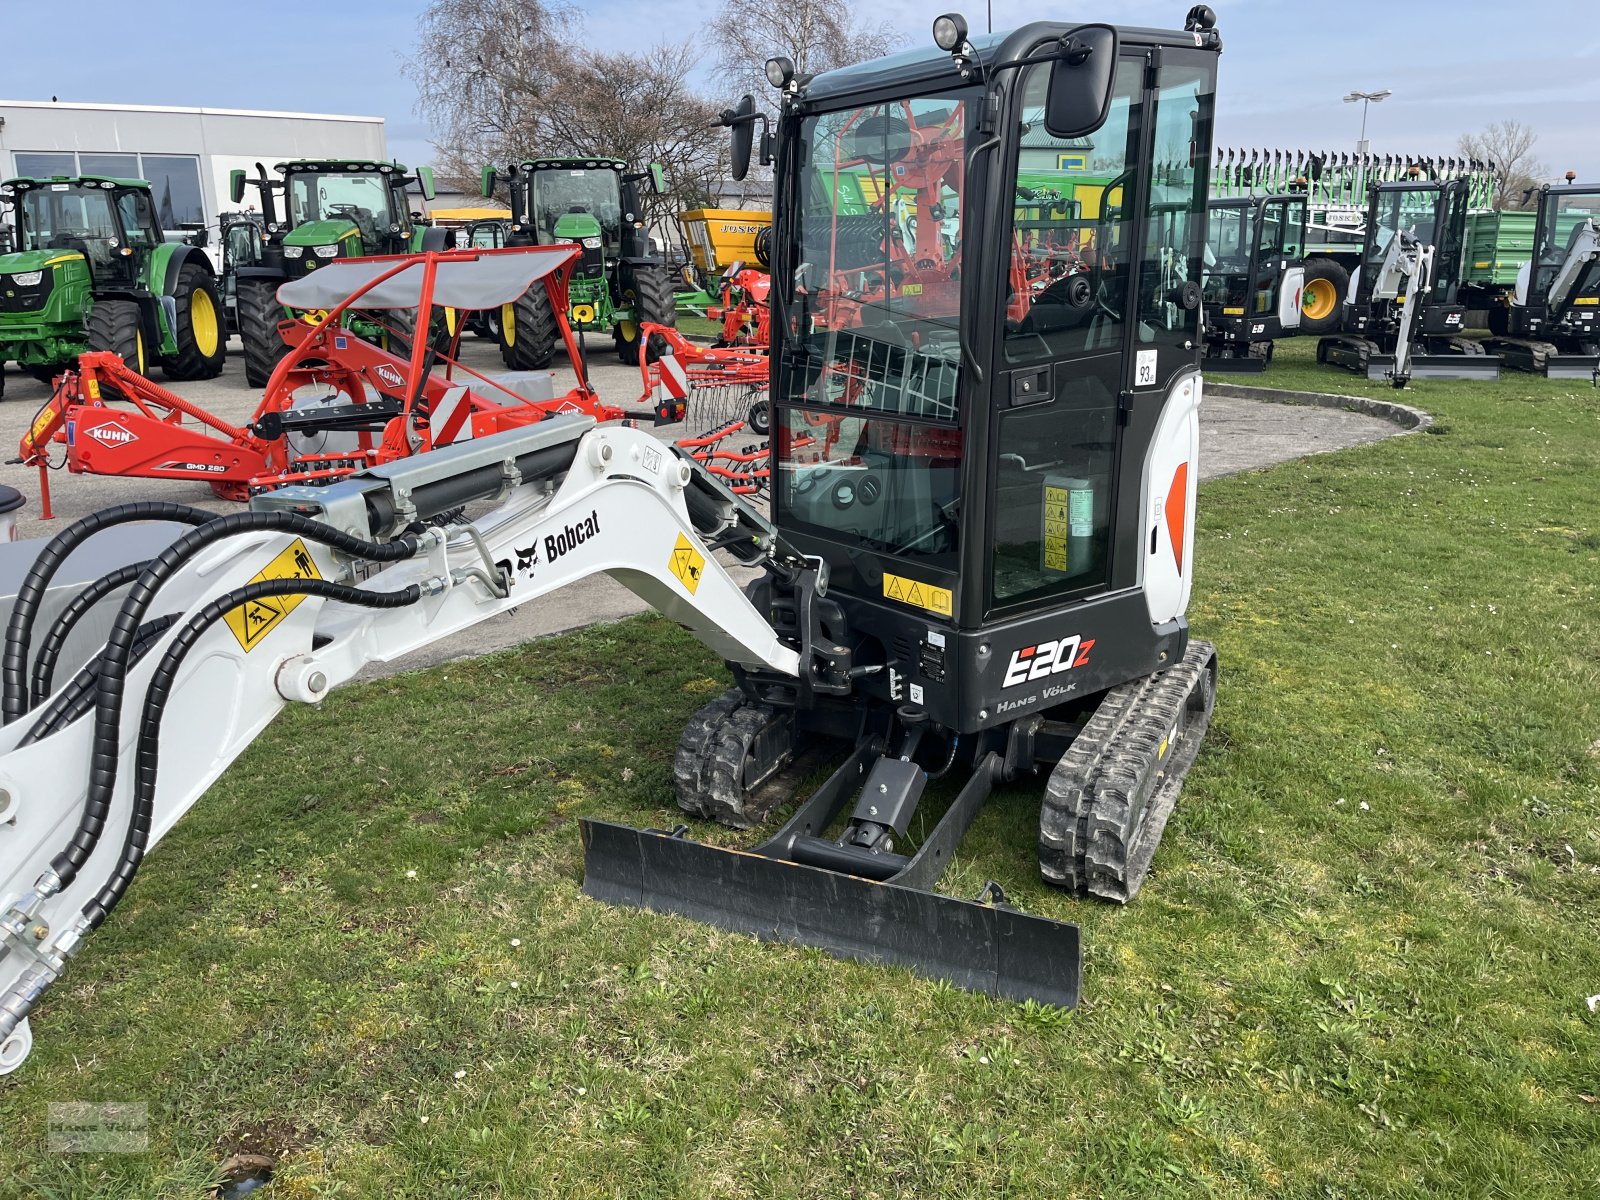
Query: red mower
x=336, y=403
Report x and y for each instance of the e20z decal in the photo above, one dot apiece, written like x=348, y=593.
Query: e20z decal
x=1033, y=663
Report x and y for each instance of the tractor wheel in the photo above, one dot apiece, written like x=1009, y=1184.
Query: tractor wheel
x=1322, y=296
x=114, y=326
x=651, y=300
x=528, y=335
x=259, y=314
x=199, y=333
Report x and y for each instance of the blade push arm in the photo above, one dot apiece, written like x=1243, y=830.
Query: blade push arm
x=255, y=621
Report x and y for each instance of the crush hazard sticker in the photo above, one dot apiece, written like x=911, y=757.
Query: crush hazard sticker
x=687, y=564
x=253, y=621
x=918, y=594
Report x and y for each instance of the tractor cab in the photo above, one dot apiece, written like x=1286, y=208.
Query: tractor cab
x=618, y=284
x=110, y=224
x=326, y=209
x=1254, y=274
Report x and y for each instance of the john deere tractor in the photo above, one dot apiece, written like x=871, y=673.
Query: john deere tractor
x=86, y=267
x=616, y=285
x=316, y=212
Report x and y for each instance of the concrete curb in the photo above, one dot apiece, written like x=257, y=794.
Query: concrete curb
x=1412, y=420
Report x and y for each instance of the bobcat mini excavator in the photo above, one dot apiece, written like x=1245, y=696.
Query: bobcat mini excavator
x=1405, y=315
x=977, y=566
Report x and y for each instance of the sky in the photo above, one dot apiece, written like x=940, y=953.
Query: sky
x=1452, y=67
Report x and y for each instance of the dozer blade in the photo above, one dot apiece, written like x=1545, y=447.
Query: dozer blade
x=1452, y=366
x=978, y=947
x=1571, y=366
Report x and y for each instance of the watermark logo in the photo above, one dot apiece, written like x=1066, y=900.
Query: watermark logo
x=86, y=1127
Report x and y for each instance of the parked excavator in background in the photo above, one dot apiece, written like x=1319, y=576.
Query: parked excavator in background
x=1255, y=273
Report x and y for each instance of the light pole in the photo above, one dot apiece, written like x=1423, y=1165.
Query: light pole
x=1366, y=98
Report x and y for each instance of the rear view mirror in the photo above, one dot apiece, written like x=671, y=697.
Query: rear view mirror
x=236, y=184
x=1081, y=82
x=487, y=181
x=743, y=121
x=658, y=179
x=425, y=181
x=885, y=138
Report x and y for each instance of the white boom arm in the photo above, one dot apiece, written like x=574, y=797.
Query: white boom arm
x=620, y=508
x=1407, y=265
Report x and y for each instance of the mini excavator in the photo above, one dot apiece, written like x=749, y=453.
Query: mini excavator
x=976, y=567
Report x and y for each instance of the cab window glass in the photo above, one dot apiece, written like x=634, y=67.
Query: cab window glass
x=1070, y=237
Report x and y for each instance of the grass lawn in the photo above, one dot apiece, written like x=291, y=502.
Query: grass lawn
x=1359, y=967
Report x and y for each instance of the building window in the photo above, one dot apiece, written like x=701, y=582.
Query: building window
x=174, y=178
x=43, y=166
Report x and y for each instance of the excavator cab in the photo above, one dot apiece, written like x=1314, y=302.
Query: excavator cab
x=1254, y=275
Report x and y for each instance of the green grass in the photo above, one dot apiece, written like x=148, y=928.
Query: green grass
x=1359, y=967
x=692, y=326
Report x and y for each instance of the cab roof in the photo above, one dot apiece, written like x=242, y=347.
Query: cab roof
x=932, y=67
x=23, y=182
x=341, y=164
x=596, y=162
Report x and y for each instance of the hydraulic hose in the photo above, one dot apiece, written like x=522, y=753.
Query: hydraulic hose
x=148, y=755
x=19, y=630
x=114, y=658
x=77, y=697
x=44, y=665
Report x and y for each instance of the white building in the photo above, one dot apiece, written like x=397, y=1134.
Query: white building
x=185, y=153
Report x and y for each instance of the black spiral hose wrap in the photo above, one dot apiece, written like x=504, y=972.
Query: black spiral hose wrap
x=148, y=755
x=19, y=630
x=77, y=697
x=44, y=666
x=114, y=658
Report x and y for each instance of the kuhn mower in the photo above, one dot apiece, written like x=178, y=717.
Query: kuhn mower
x=335, y=403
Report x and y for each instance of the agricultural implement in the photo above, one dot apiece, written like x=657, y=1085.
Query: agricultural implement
x=1253, y=280
x=335, y=403
x=89, y=269
x=979, y=576
x=314, y=213
x=617, y=285
x=719, y=394
x=1404, y=318
x=1550, y=324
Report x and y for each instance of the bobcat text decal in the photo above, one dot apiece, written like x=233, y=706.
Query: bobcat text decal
x=571, y=537
x=1033, y=663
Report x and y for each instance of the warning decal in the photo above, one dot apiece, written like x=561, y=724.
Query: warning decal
x=253, y=621
x=1055, y=528
x=918, y=594
x=687, y=563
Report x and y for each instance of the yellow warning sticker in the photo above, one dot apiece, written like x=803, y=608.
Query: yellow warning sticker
x=1055, y=528
x=918, y=594
x=1587, y=300
x=42, y=422
x=687, y=563
x=253, y=621
x=1233, y=312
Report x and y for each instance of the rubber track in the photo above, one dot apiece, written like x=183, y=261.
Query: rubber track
x=709, y=767
x=1106, y=804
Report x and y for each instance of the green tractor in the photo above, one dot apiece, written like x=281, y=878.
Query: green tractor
x=616, y=285
x=85, y=266
x=318, y=211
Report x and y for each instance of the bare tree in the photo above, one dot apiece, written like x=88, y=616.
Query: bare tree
x=1509, y=146
x=817, y=35
x=505, y=80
